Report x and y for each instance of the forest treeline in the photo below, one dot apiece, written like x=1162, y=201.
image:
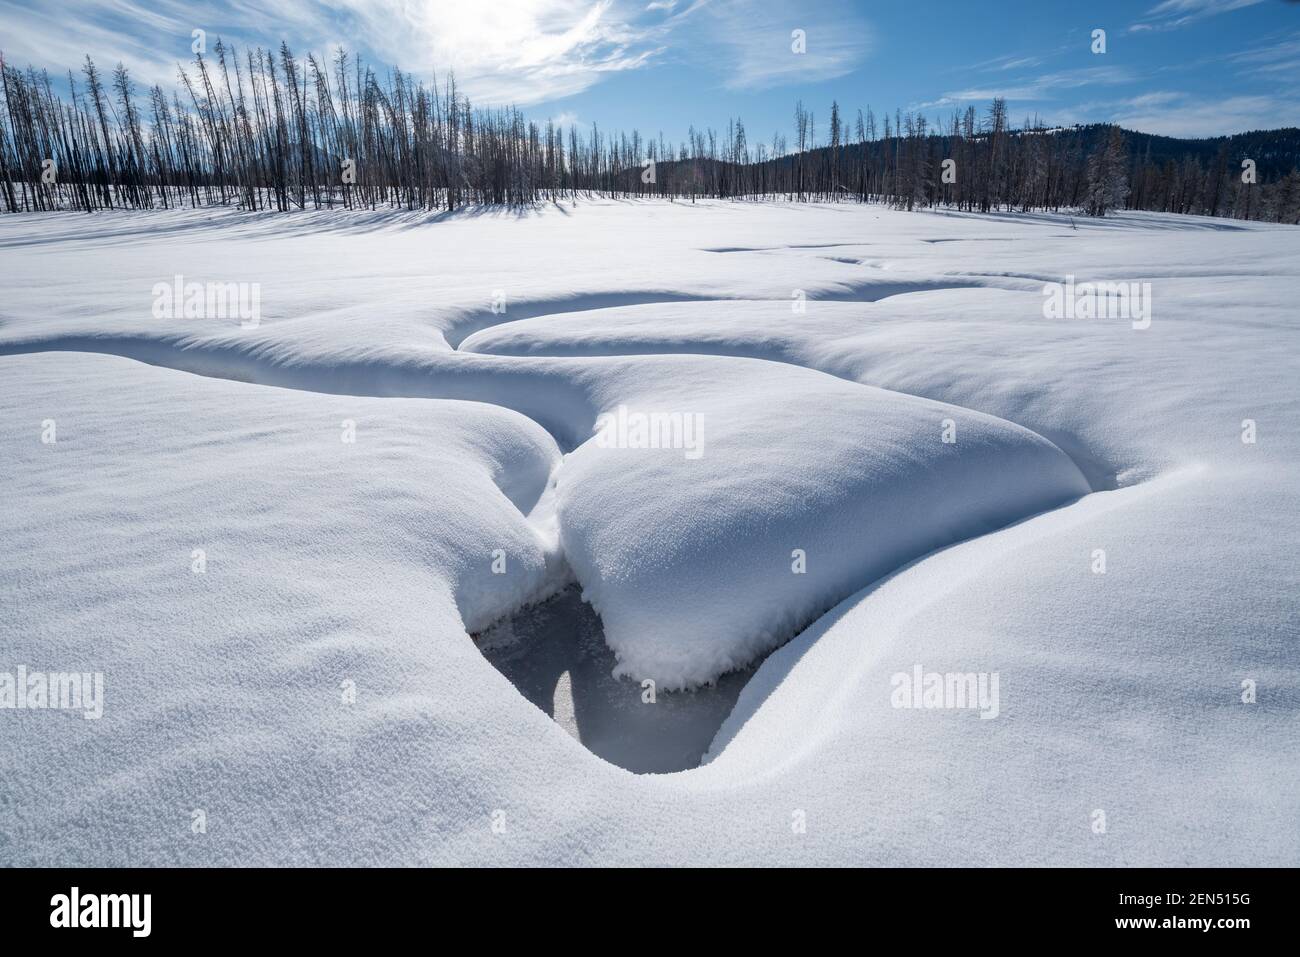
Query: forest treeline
x=267, y=130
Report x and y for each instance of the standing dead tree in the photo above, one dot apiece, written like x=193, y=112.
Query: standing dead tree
x=267, y=130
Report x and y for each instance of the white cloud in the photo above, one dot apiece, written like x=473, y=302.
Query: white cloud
x=1041, y=87
x=52, y=36
x=1172, y=14
x=1207, y=117
x=518, y=51
x=751, y=42
x=1169, y=113
x=525, y=51
x=1282, y=56
x=1147, y=101
x=521, y=51
x=1009, y=61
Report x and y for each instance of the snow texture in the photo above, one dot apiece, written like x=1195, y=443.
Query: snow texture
x=900, y=462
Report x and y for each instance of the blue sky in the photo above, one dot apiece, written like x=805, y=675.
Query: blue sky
x=1179, y=67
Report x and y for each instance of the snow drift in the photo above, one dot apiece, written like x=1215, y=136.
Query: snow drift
x=805, y=488
x=316, y=691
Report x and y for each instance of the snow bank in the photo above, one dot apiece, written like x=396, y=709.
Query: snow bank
x=334, y=485
x=803, y=489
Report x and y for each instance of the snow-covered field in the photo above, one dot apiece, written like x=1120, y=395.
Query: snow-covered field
x=301, y=550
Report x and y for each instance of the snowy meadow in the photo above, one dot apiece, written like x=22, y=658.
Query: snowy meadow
x=649, y=532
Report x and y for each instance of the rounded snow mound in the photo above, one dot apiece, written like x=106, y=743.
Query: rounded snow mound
x=710, y=521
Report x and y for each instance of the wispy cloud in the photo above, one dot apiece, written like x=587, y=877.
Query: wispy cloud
x=1172, y=14
x=1173, y=113
x=1020, y=63
x=1271, y=59
x=1199, y=116
x=521, y=51
x=753, y=43
x=1042, y=87
x=1008, y=62
x=530, y=50
x=57, y=37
